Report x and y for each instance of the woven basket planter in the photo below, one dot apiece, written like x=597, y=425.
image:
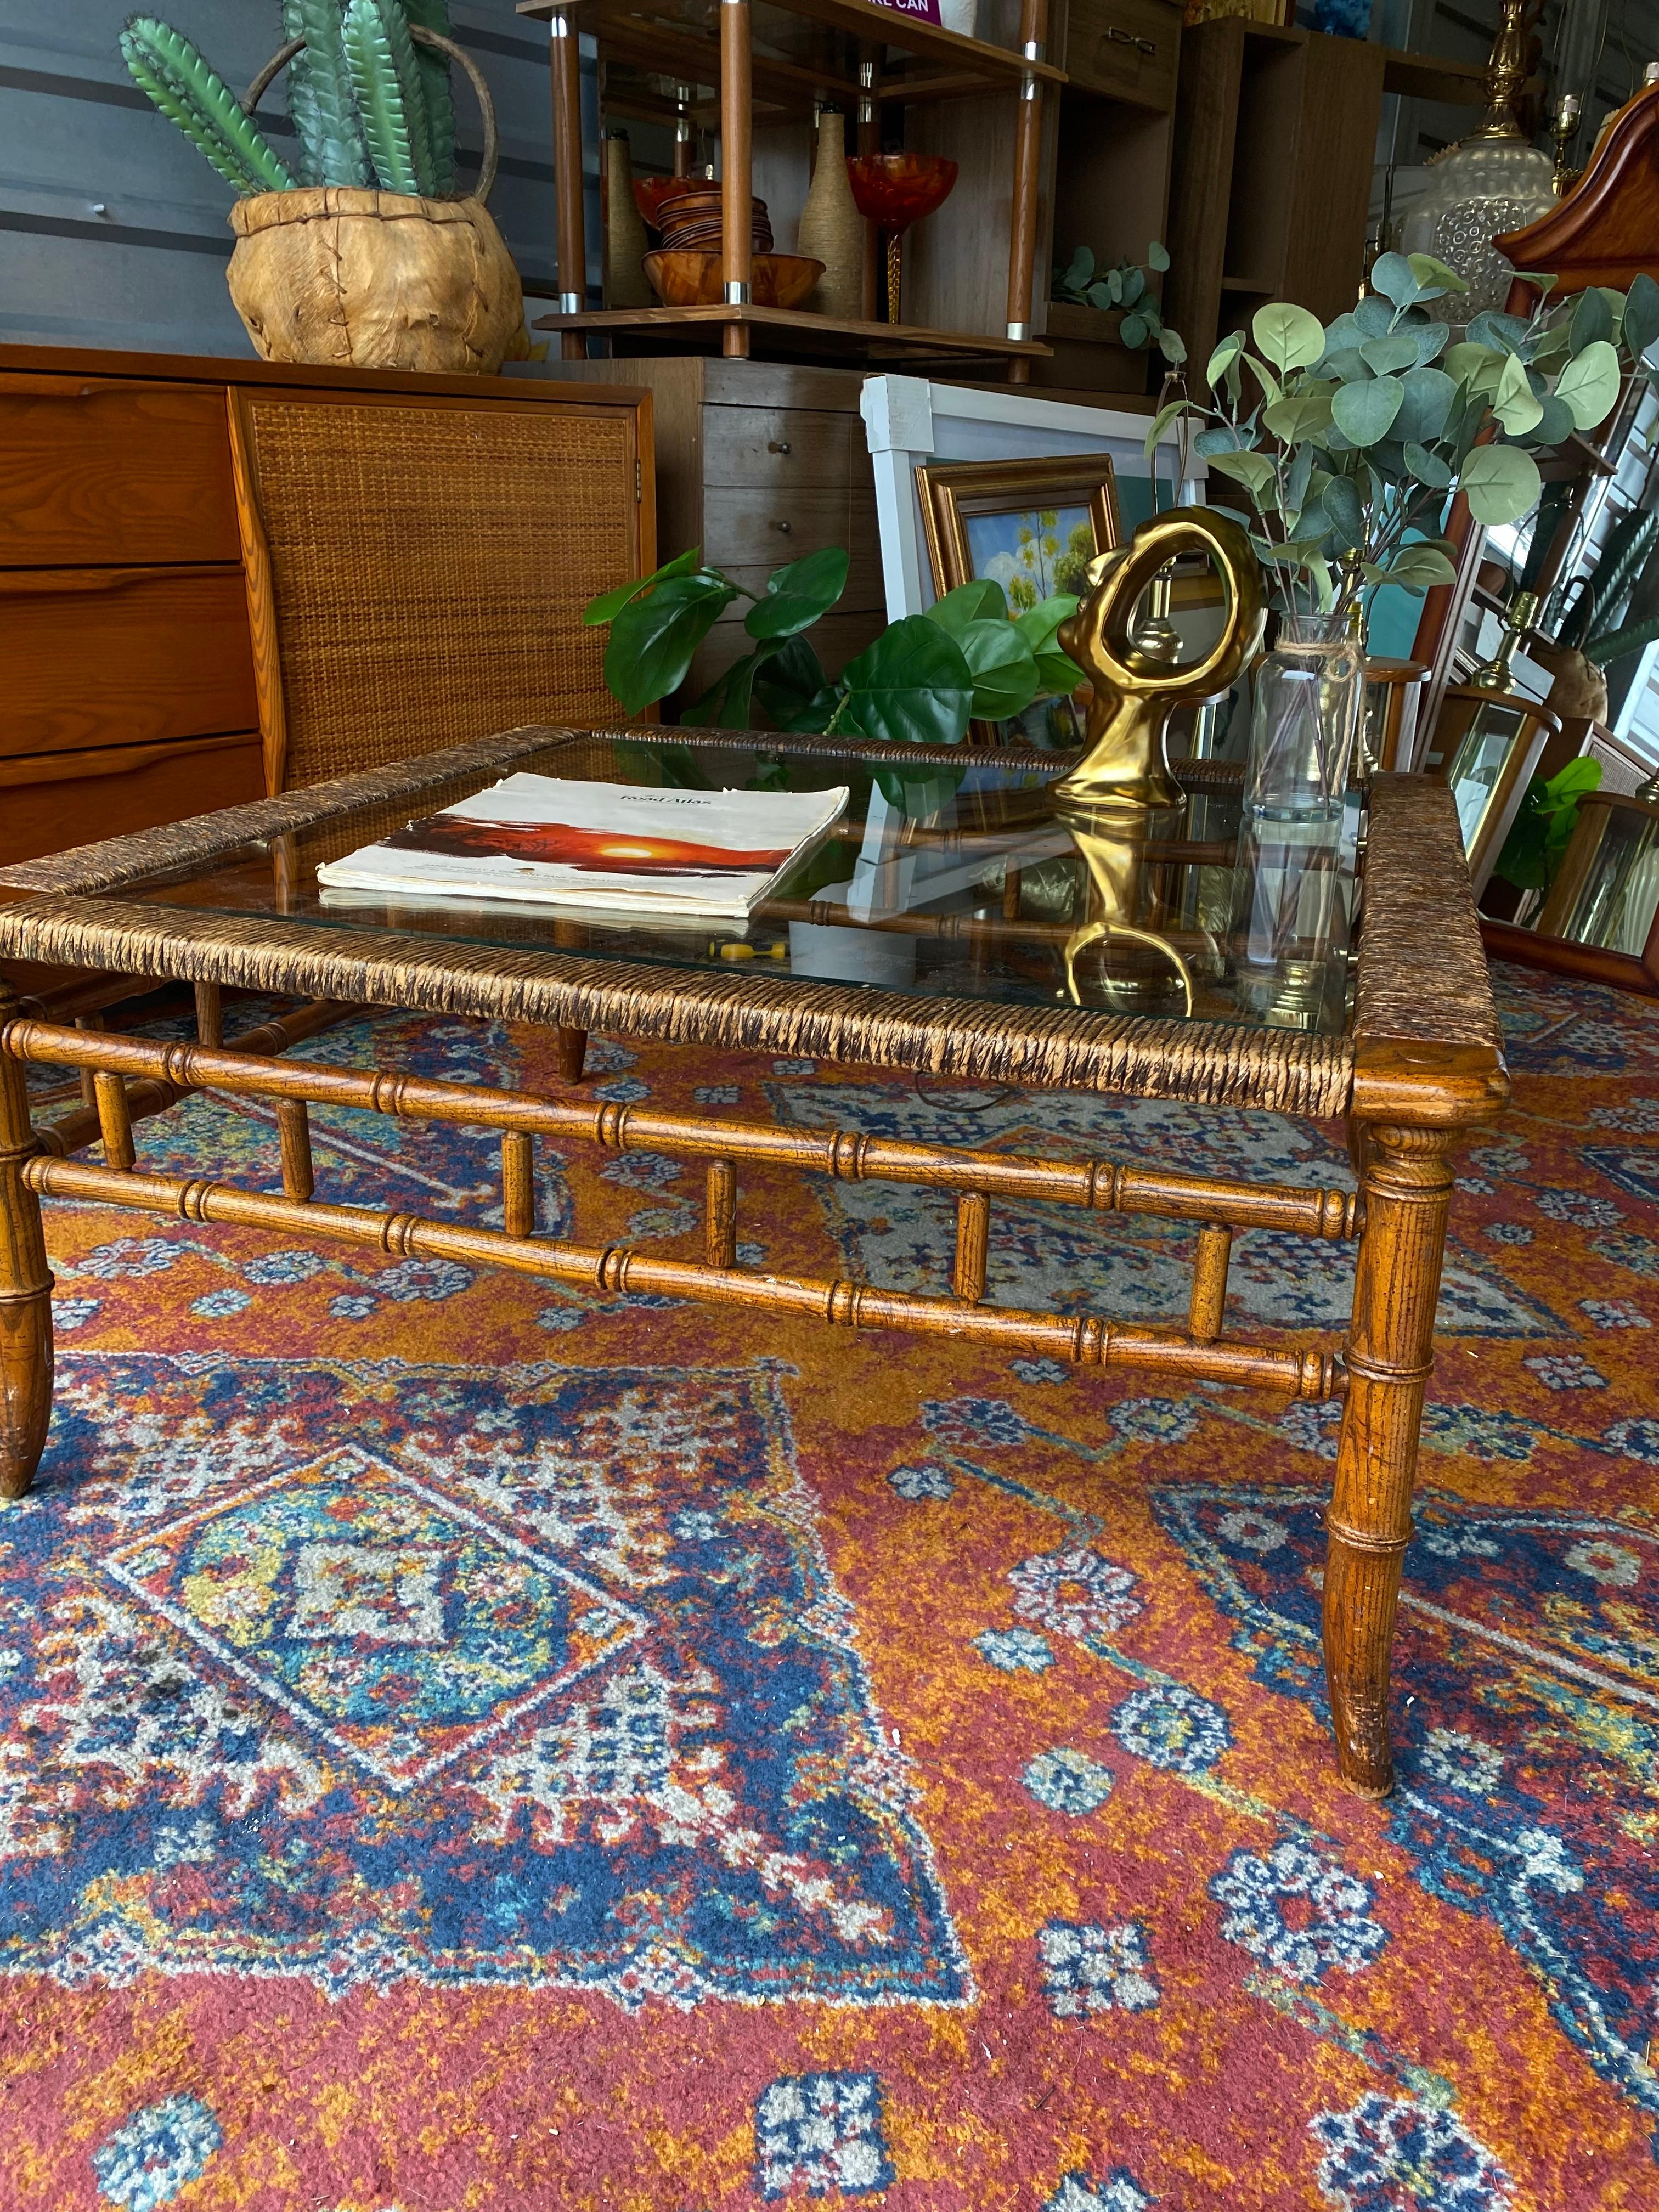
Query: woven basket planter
x=341, y=278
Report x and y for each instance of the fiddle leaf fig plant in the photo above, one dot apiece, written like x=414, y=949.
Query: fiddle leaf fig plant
x=369, y=105
x=1349, y=439
x=921, y=682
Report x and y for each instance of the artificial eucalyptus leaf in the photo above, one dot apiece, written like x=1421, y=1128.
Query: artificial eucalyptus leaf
x=1161, y=422
x=1588, y=386
x=1254, y=471
x=1463, y=361
x=1434, y=278
x=1431, y=340
x=1375, y=317
x=1114, y=287
x=1543, y=280
x=1157, y=257
x=1393, y=276
x=1297, y=477
x=1555, y=423
x=1131, y=330
x=912, y=686
x=1134, y=283
x=1272, y=389
x=1508, y=333
x=1427, y=395
x=1419, y=568
x=1223, y=357
x=981, y=600
x=1426, y=468
x=1172, y=346
x=1100, y=295
x=1344, y=336
x=1004, y=669
x=1641, y=315
x=1515, y=404
x=1348, y=365
x=1592, y=320
x=1294, y=421
x=796, y=596
x=1615, y=299
x=1384, y=355
x=1287, y=336
x=609, y=605
x=1365, y=412
x=1220, y=438
x=1501, y=483
x=654, y=640
x=1346, y=511
x=1080, y=268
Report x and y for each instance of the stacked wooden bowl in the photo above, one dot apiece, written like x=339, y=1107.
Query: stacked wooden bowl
x=685, y=272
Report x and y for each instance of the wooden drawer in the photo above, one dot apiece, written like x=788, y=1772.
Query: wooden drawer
x=56, y=799
x=93, y=470
x=1128, y=48
x=122, y=656
x=750, y=533
x=784, y=448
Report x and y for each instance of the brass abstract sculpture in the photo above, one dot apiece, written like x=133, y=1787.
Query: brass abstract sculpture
x=1111, y=802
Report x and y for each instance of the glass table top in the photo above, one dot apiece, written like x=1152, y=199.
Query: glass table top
x=965, y=882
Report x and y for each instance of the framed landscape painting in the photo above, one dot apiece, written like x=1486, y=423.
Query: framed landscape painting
x=1032, y=526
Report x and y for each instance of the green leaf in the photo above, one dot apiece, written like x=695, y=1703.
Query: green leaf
x=1543, y=282
x=1132, y=332
x=1592, y=321
x=1373, y=318
x=1501, y=483
x=1467, y=361
x=1037, y=625
x=1427, y=397
x=1157, y=257
x=1418, y=567
x=1641, y=315
x=1434, y=279
x=1254, y=471
x=1427, y=468
x=1287, y=336
x=728, y=702
x=379, y=99
x=1292, y=421
x=653, y=639
x=1346, y=509
x=1272, y=389
x=1100, y=295
x=1384, y=355
x=1365, y=412
x=1394, y=276
x=1003, y=666
x=1172, y=346
x=793, y=688
x=1588, y=386
x=1431, y=340
x=1114, y=287
x=917, y=793
x=796, y=596
x=1508, y=333
x=913, y=685
x=609, y=605
x=982, y=599
x=1080, y=268
x=411, y=91
x=1161, y=422
x=1135, y=284
x=434, y=68
x=1224, y=358
x=1514, y=402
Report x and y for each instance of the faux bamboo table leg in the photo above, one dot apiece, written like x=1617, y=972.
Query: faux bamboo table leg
x=1028, y=154
x=25, y=1288
x=1408, y=1183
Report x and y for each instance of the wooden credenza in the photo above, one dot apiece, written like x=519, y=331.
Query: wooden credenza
x=128, y=691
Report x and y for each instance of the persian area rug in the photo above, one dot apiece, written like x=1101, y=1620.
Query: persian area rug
x=463, y=1744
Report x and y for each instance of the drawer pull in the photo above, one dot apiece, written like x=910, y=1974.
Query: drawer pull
x=1128, y=39
x=785, y=527
x=777, y=445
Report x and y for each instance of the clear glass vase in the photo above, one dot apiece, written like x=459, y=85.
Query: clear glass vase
x=1295, y=834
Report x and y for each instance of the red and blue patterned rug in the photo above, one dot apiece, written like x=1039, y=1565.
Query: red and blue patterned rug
x=465, y=1744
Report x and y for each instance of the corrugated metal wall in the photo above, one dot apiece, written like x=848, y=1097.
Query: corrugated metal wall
x=113, y=229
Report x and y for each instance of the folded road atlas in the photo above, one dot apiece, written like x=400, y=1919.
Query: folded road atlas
x=549, y=843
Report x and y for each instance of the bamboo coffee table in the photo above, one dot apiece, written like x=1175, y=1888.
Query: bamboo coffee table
x=1409, y=1055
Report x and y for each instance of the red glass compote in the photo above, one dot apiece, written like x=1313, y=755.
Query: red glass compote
x=893, y=190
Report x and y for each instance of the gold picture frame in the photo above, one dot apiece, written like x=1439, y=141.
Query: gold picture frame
x=973, y=513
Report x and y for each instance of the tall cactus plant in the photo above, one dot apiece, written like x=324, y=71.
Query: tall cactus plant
x=368, y=105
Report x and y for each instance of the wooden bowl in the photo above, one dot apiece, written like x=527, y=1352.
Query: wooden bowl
x=693, y=280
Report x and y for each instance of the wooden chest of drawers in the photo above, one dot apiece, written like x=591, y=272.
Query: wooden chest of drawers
x=758, y=463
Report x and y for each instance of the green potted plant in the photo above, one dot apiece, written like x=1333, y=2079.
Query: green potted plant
x=359, y=252
x=921, y=682
x=1103, y=318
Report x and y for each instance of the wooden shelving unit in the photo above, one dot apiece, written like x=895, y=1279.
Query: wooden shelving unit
x=848, y=62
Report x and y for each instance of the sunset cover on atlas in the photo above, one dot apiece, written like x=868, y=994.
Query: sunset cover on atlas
x=561, y=844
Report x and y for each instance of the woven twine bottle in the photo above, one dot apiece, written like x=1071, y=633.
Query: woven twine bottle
x=625, y=242
x=831, y=228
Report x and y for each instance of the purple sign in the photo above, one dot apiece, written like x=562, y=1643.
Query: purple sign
x=925, y=11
